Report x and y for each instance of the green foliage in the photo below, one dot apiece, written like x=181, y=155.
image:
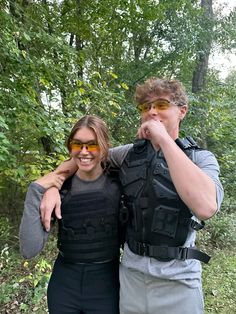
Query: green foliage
x=5, y=230
x=219, y=232
x=219, y=283
x=211, y=121
x=223, y=229
x=60, y=60
x=23, y=283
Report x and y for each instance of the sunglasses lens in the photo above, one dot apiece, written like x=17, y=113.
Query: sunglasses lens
x=76, y=147
x=92, y=147
x=143, y=107
x=161, y=105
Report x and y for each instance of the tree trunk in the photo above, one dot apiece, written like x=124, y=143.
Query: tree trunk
x=78, y=41
x=199, y=74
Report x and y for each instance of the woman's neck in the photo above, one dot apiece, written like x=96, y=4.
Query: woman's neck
x=89, y=175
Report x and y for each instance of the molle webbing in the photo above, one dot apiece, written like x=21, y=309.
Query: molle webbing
x=88, y=231
x=157, y=216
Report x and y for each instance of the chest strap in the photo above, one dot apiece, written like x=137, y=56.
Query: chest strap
x=166, y=253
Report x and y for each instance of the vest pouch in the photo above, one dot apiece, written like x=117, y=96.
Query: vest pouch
x=133, y=216
x=164, y=190
x=131, y=175
x=165, y=220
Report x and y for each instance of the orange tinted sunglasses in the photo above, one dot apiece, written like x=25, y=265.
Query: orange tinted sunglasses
x=77, y=146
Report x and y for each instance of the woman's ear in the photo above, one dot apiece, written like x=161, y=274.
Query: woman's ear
x=102, y=157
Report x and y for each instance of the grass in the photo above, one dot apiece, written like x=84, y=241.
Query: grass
x=23, y=283
x=219, y=283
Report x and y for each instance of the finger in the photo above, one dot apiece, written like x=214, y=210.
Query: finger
x=58, y=182
x=45, y=217
x=58, y=210
x=47, y=220
x=47, y=224
x=61, y=179
x=144, y=133
x=139, y=133
x=58, y=185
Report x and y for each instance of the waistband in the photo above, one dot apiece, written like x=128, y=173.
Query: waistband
x=64, y=260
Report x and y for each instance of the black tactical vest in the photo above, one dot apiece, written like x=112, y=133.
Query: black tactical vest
x=88, y=230
x=159, y=221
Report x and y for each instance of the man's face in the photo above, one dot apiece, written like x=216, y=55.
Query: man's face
x=163, y=109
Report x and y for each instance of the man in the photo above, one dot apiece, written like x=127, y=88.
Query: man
x=170, y=187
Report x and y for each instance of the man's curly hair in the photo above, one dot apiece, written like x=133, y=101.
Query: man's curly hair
x=156, y=86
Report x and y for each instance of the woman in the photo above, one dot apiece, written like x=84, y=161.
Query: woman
x=85, y=275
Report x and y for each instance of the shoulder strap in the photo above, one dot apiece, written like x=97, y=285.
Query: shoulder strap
x=139, y=144
x=111, y=172
x=187, y=143
x=66, y=187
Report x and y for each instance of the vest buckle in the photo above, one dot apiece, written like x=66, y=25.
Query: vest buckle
x=143, y=249
x=183, y=253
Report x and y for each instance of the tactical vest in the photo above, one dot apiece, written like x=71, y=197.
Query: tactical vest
x=159, y=221
x=88, y=230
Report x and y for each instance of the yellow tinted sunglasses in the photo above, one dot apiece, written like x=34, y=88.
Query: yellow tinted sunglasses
x=160, y=104
x=77, y=146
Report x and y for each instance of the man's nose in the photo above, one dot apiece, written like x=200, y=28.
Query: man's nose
x=153, y=110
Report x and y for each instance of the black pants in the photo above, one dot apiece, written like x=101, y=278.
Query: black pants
x=84, y=288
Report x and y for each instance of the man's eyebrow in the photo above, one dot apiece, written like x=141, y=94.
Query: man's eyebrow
x=159, y=99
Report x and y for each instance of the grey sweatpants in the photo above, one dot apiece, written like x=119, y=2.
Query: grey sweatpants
x=145, y=294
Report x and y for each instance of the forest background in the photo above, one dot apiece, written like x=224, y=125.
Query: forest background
x=60, y=60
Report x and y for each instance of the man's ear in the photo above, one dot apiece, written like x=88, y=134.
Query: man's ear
x=183, y=111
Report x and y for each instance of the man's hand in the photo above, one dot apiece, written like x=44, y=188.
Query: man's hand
x=153, y=130
x=55, y=178
x=51, y=201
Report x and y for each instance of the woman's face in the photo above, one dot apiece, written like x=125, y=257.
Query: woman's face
x=86, y=154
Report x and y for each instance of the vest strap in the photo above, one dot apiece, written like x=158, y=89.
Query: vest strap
x=166, y=253
x=193, y=224
x=186, y=143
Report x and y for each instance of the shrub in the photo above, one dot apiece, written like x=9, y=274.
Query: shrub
x=219, y=232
